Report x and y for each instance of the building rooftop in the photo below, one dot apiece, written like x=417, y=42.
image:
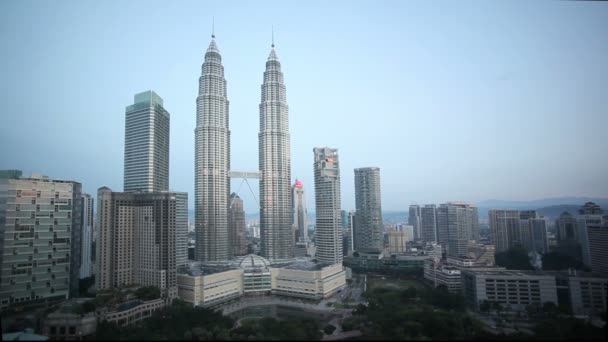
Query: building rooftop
x=304, y=266
x=197, y=268
x=251, y=261
x=509, y=273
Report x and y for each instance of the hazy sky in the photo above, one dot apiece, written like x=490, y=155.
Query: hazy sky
x=453, y=100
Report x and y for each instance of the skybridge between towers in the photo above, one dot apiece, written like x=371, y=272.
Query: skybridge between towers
x=245, y=175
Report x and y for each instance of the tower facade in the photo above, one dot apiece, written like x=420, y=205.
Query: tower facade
x=212, y=162
x=328, y=233
x=236, y=219
x=136, y=243
x=40, y=238
x=300, y=214
x=428, y=223
x=414, y=220
x=86, y=268
x=275, y=166
x=505, y=228
x=146, y=144
x=368, y=232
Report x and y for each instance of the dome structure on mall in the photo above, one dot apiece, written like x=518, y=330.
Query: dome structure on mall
x=252, y=261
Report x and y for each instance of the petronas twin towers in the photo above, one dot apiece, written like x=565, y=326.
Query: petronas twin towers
x=212, y=163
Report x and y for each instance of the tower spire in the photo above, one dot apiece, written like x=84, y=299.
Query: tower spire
x=272, y=37
x=212, y=27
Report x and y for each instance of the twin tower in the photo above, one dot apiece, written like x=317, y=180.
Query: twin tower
x=212, y=164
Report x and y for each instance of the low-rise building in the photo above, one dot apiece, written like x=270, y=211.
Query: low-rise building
x=204, y=285
x=131, y=311
x=449, y=274
x=308, y=280
x=586, y=293
x=68, y=323
x=378, y=262
x=512, y=288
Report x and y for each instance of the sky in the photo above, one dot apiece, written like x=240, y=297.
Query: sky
x=452, y=100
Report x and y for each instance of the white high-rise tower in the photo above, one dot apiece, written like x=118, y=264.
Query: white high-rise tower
x=212, y=161
x=275, y=166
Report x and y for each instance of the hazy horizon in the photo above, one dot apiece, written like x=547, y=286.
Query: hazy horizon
x=451, y=100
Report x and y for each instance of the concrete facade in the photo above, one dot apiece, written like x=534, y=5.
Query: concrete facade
x=368, y=201
x=40, y=239
x=136, y=242
x=328, y=233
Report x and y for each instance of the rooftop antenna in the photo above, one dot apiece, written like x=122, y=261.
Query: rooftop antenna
x=212, y=27
x=272, y=36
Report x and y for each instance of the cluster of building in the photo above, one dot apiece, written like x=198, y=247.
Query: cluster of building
x=585, y=236
x=477, y=277
x=140, y=235
x=522, y=228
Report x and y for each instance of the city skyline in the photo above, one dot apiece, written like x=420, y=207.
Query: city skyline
x=559, y=96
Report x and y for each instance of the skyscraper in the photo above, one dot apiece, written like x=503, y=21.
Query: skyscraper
x=300, y=214
x=569, y=236
x=351, y=232
x=236, y=220
x=146, y=144
x=505, y=228
x=593, y=225
x=87, y=236
x=457, y=223
x=368, y=233
x=328, y=233
x=181, y=228
x=40, y=238
x=275, y=166
x=212, y=161
x=414, y=220
x=428, y=223
x=136, y=243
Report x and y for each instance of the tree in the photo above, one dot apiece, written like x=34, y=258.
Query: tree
x=329, y=329
x=147, y=293
x=515, y=258
x=550, y=309
x=485, y=306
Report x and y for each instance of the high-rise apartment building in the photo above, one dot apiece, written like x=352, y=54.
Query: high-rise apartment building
x=538, y=235
x=457, y=224
x=505, y=228
x=350, y=232
x=146, y=144
x=428, y=223
x=236, y=220
x=86, y=267
x=593, y=225
x=40, y=238
x=532, y=232
x=300, y=214
x=212, y=161
x=181, y=228
x=397, y=241
x=136, y=243
x=415, y=220
x=275, y=166
x=328, y=233
x=369, y=228
x=569, y=236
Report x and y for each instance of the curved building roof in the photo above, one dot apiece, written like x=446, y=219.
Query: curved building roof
x=251, y=261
